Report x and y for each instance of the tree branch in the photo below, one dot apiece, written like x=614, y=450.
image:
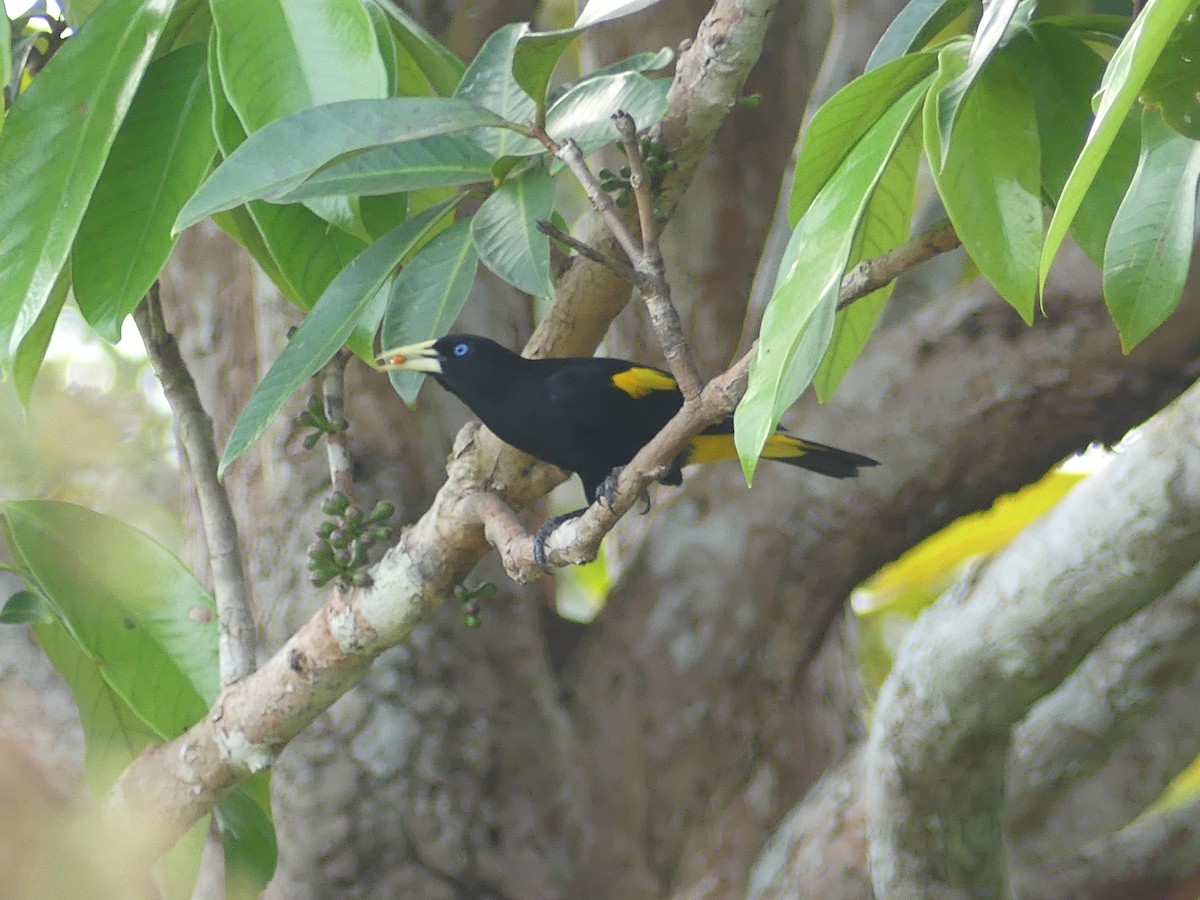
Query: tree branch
x=337, y=448
x=237, y=631
x=872, y=274
x=976, y=661
x=1158, y=852
x=1117, y=709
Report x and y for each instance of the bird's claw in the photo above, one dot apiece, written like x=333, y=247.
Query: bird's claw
x=542, y=535
x=607, y=492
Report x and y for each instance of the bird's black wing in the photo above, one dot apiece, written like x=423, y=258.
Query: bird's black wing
x=613, y=406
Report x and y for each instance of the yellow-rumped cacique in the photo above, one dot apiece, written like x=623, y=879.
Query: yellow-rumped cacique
x=588, y=415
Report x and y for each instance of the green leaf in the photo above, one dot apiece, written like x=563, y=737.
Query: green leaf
x=584, y=113
x=506, y=234
x=6, y=59
x=1001, y=20
x=113, y=733
x=427, y=297
x=441, y=67
x=884, y=226
x=327, y=328
x=1172, y=83
x=248, y=837
x=490, y=83
x=161, y=154
x=918, y=23
x=25, y=608
x=844, y=118
x=597, y=11
x=130, y=604
x=278, y=58
x=1150, y=245
x=1123, y=79
x=989, y=182
x=798, y=323
x=439, y=161
x=534, y=60
x=1065, y=73
x=27, y=361
x=53, y=147
x=134, y=637
x=279, y=157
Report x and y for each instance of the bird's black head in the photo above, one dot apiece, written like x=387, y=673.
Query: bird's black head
x=466, y=364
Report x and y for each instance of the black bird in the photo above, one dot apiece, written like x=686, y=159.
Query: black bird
x=589, y=415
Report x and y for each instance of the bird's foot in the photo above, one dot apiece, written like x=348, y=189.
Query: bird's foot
x=607, y=492
x=543, y=534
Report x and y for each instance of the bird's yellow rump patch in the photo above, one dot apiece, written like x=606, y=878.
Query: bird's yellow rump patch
x=639, y=381
x=707, y=448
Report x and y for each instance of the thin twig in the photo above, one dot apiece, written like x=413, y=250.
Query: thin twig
x=337, y=448
x=236, y=632
x=621, y=268
x=872, y=274
x=572, y=156
x=639, y=181
x=652, y=282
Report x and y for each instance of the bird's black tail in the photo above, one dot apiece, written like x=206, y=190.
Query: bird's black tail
x=815, y=457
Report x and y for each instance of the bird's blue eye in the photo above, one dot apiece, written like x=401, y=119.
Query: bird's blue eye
x=461, y=349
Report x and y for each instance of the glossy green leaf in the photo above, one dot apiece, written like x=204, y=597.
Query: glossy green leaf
x=313, y=138
x=1150, y=245
x=327, y=328
x=597, y=11
x=884, y=226
x=277, y=57
x=25, y=608
x=427, y=297
x=506, y=234
x=130, y=604
x=798, y=322
x=584, y=113
x=113, y=734
x=1174, y=82
x=918, y=23
x=490, y=83
x=534, y=60
x=52, y=148
x=31, y=353
x=303, y=251
x=1123, y=79
x=161, y=154
x=443, y=160
x=190, y=23
x=442, y=68
x=1001, y=20
x=1065, y=73
x=989, y=182
x=6, y=60
x=840, y=123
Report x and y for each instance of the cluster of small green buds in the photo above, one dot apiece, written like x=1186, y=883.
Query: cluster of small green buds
x=657, y=162
x=313, y=416
x=469, y=600
x=344, y=540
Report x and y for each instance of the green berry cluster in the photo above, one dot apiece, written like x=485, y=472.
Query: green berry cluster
x=654, y=155
x=343, y=540
x=469, y=599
